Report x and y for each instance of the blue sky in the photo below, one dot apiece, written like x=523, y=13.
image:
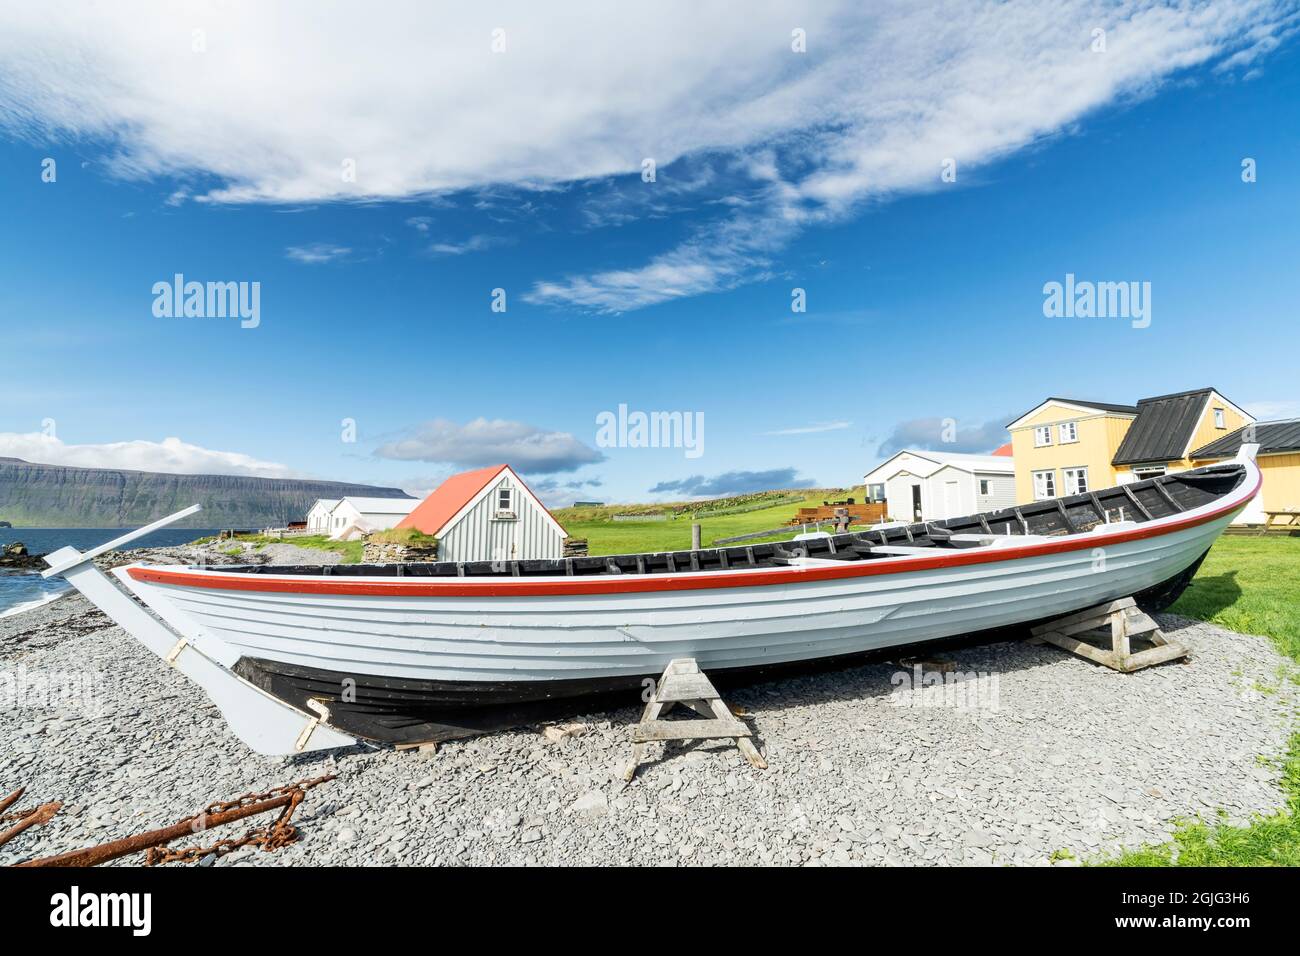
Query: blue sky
x=924, y=297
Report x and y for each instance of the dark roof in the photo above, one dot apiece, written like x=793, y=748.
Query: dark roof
x=1273, y=437
x=1163, y=427
x=1104, y=406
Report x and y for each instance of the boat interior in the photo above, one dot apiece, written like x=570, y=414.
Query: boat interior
x=1109, y=509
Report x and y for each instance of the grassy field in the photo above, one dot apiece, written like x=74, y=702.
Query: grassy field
x=605, y=536
x=1250, y=585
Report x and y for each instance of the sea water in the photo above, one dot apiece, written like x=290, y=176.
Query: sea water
x=23, y=590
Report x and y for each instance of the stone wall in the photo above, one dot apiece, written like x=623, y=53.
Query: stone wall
x=383, y=552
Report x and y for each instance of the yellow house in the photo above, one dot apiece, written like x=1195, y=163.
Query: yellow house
x=1279, y=463
x=1065, y=446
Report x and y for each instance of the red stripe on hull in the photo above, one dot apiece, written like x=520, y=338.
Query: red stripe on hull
x=638, y=584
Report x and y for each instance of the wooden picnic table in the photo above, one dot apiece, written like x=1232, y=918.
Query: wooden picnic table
x=1272, y=520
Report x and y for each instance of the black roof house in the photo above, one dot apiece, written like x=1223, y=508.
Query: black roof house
x=1274, y=438
x=1104, y=406
x=1163, y=428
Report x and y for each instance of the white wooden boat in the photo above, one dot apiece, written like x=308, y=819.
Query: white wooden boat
x=419, y=652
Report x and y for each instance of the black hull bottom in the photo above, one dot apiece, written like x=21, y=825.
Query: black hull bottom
x=400, y=710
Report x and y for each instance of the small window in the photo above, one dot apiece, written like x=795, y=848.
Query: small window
x=1148, y=471
x=1044, y=485
x=1069, y=432
x=1042, y=436
x=1076, y=480
x=505, y=501
x=1218, y=419
x=984, y=486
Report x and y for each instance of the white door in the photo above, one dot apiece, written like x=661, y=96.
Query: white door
x=951, y=499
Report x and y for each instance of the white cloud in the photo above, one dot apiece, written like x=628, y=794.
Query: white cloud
x=171, y=455
x=472, y=244
x=284, y=96
x=316, y=252
x=1267, y=411
x=483, y=441
x=813, y=429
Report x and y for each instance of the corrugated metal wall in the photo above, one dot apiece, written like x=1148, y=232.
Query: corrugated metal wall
x=479, y=536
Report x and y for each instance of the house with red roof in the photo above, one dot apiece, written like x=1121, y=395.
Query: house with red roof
x=488, y=514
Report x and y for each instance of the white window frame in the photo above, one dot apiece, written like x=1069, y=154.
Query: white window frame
x=508, y=510
x=1049, y=485
x=1073, y=433
x=1220, y=421
x=1070, y=480
x=986, y=486
x=1042, y=436
x=1143, y=472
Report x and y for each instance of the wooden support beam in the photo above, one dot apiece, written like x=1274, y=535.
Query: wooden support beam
x=683, y=683
x=1122, y=622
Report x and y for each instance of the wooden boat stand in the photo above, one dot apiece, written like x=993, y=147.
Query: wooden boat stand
x=684, y=683
x=1125, y=622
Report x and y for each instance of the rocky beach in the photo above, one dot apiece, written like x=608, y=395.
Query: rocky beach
x=1041, y=759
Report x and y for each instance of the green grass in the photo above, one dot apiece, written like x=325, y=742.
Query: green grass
x=605, y=536
x=1248, y=585
x=1272, y=840
x=411, y=537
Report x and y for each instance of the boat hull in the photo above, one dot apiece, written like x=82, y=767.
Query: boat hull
x=408, y=651
x=402, y=710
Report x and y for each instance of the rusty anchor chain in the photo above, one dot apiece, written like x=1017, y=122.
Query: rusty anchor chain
x=279, y=834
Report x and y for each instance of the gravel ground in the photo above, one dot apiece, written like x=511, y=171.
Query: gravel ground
x=1056, y=754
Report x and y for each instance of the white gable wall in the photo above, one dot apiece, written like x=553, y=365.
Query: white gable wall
x=898, y=495
x=318, y=519
x=951, y=494
x=479, y=534
x=345, y=515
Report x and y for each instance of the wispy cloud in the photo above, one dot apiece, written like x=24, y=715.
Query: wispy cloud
x=885, y=93
x=317, y=252
x=472, y=244
x=171, y=455
x=812, y=429
x=1267, y=411
x=733, y=483
x=491, y=442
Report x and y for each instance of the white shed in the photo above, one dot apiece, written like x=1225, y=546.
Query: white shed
x=488, y=515
x=318, y=518
x=932, y=485
x=354, y=516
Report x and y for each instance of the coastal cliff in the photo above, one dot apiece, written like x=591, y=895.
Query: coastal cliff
x=58, y=496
